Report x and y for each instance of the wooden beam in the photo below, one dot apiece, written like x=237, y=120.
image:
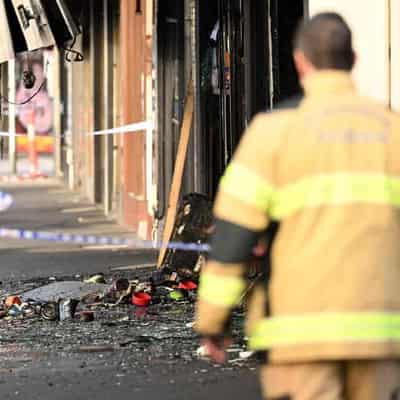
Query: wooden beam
x=178, y=171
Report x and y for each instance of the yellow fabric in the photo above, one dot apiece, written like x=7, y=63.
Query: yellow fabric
x=336, y=189
x=332, y=380
x=249, y=217
x=220, y=290
x=325, y=327
x=247, y=186
x=328, y=82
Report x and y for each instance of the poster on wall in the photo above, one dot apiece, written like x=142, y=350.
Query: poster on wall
x=38, y=111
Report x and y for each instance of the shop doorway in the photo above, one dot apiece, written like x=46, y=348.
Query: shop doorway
x=240, y=55
x=246, y=68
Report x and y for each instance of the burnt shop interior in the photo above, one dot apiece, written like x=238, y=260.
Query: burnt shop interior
x=239, y=54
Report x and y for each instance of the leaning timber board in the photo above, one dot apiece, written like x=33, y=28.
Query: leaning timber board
x=178, y=171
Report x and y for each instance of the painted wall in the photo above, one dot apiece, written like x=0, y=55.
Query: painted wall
x=395, y=54
x=370, y=22
x=136, y=68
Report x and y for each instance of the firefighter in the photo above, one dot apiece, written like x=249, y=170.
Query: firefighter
x=328, y=319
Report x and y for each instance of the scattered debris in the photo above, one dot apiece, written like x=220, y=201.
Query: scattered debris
x=187, y=285
x=246, y=354
x=141, y=299
x=96, y=349
x=78, y=316
x=12, y=300
x=98, y=278
x=177, y=295
x=202, y=352
x=49, y=311
x=87, y=316
x=193, y=224
x=66, y=309
x=132, y=267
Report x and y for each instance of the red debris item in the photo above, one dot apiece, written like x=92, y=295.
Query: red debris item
x=141, y=299
x=187, y=285
x=11, y=300
x=121, y=285
x=87, y=316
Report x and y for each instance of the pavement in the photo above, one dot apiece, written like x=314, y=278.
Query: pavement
x=137, y=354
x=48, y=206
x=45, y=165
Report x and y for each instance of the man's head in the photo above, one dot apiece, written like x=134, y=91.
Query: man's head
x=323, y=42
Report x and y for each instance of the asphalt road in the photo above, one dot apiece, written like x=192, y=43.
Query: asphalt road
x=30, y=370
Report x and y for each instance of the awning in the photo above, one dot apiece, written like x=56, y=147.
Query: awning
x=27, y=25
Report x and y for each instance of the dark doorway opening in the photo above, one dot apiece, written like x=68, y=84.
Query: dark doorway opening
x=234, y=76
x=285, y=17
x=171, y=90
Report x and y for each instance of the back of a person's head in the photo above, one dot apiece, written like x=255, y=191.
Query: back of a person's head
x=326, y=41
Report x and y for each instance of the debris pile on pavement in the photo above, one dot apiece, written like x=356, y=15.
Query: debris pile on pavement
x=76, y=299
x=145, y=315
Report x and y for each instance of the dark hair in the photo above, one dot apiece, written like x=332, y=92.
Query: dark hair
x=326, y=41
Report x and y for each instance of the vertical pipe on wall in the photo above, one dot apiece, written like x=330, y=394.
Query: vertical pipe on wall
x=116, y=117
x=188, y=68
x=150, y=188
x=12, y=148
x=270, y=58
x=56, y=73
x=107, y=106
x=306, y=11
x=99, y=89
x=198, y=149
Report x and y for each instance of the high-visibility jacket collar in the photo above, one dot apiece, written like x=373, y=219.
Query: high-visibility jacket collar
x=328, y=82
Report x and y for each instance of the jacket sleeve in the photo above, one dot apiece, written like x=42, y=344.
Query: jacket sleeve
x=241, y=212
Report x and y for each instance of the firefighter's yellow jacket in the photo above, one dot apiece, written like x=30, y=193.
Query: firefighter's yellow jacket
x=329, y=172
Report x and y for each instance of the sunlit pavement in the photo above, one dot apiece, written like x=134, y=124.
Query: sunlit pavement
x=46, y=166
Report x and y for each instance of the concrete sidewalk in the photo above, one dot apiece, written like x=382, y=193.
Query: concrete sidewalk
x=50, y=206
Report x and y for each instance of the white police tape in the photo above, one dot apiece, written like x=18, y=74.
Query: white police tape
x=136, y=127
x=22, y=234
x=8, y=134
x=6, y=201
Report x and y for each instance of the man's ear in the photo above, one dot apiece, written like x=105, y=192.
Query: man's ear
x=355, y=58
x=299, y=62
x=303, y=66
